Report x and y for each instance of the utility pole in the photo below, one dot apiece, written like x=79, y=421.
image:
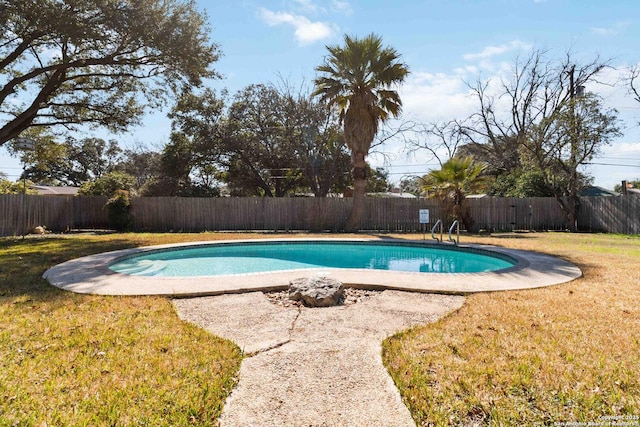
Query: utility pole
x=573, y=160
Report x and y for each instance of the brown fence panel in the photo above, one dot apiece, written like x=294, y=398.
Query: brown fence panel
x=11, y=214
x=89, y=212
x=610, y=214
x=492, y=213
x=508, y=214
x=398, y=215
x=20, y=213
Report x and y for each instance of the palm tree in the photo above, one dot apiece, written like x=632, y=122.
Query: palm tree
x=358, y=79
x=458, y=177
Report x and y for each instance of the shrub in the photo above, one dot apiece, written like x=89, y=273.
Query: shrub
x=118, y=208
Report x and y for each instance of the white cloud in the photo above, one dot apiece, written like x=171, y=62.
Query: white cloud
x=308, y=6
x=305, y=31
x=311, y=6
x=431, y=97
x=603, y=31
x=341, y=6
x=609, y=31
x=491, y=51
x=629, y=147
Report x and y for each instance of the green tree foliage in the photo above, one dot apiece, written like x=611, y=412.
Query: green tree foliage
x=531, y=182
x=177, y=166
x=90, y=158
x=358, y=80
x=142, y=164
x=187, y=164
x=268, y=142
x=258, y=141
x=108, y=184
x=18, y=187
x=412, y=185
x=377, y=180
x=457, y=178
x=46, y=162
x=67, y=63
x=317, y=141
x=72, y=162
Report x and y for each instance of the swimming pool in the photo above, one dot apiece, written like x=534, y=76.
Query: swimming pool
x=92, y=274
x=243, y=258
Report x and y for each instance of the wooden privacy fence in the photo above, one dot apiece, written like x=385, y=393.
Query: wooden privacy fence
x=60, y=213
x=509, y=213
x=19, y=213
x=610, y=214
x=186, y=214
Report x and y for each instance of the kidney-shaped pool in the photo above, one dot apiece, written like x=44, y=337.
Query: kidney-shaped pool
x=255, y=257
x=212, y=268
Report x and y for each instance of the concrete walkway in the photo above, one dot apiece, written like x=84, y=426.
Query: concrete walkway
x=314, y=366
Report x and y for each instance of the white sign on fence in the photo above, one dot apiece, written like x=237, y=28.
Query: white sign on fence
x=424, y=216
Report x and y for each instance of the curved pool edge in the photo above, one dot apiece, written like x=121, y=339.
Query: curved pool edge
x=91, y=275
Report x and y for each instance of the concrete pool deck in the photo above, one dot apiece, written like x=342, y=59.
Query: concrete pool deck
x=91, y=275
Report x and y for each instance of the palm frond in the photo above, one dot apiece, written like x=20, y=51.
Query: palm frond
x=360, y=74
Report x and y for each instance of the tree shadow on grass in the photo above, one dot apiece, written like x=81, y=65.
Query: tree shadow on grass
x=25, y=261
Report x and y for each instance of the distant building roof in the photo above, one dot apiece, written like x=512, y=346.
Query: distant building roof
x=50, y=190
x=391, y=195
x=593, y=191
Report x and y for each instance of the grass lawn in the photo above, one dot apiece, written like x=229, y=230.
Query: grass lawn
x=68, y=359
x=568, y=353
x=565, y=353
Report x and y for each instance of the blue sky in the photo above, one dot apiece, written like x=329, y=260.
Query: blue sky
x=444, y=43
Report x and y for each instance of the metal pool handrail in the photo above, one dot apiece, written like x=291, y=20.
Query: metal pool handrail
x=457, y=240
x=433, y=229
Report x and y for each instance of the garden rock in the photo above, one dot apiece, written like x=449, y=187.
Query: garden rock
x=317, y=291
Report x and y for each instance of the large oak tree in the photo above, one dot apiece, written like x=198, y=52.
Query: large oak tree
x=96, y=62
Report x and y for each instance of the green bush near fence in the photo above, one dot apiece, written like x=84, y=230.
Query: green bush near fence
x=119, y=211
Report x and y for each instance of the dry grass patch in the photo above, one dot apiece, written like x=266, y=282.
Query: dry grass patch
x=560, y=354
x=68, y=359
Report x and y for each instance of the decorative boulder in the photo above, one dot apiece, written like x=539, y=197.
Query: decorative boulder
x=316, y=291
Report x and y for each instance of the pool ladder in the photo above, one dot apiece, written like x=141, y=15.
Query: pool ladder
x=438, y=225
x=433, y=230
x=455, y=225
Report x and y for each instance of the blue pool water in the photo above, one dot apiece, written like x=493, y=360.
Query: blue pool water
x=224, y=259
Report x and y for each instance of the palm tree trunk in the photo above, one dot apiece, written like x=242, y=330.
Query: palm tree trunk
x=359, y=186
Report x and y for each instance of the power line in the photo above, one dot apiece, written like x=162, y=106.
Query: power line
x=619, y=158
x=612, y=164
x=408, y=173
